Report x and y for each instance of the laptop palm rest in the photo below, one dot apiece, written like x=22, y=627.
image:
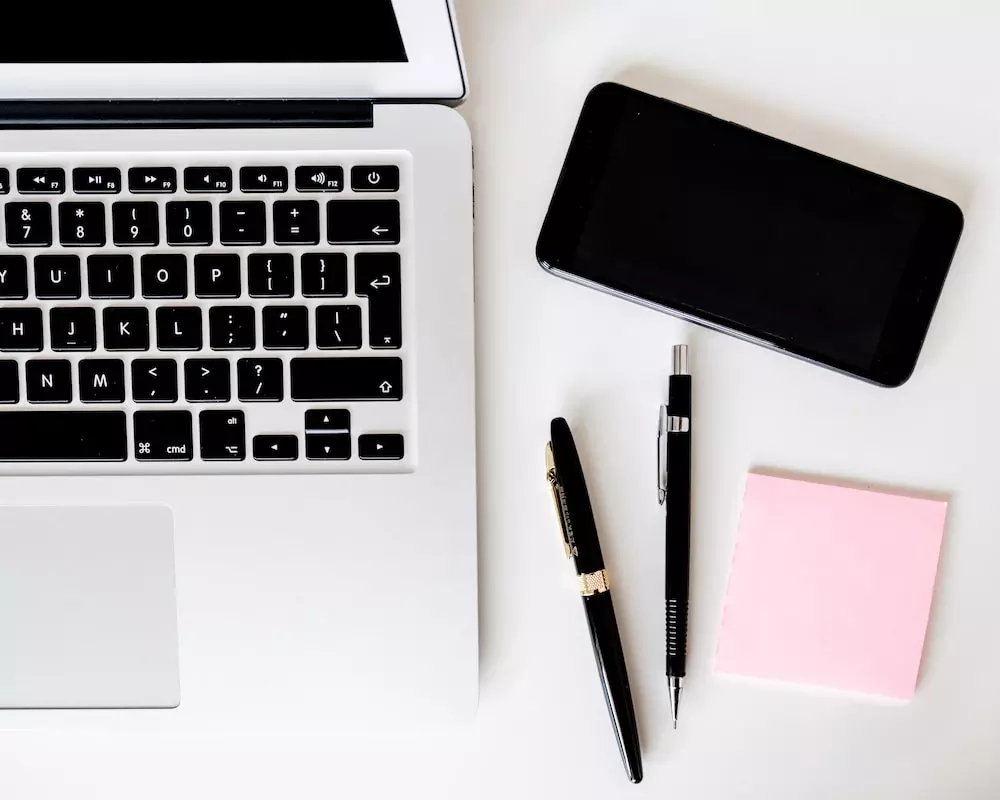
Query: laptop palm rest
x=88, y=614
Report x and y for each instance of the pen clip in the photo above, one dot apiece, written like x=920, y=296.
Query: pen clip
x=661, y=455
x=560, y=500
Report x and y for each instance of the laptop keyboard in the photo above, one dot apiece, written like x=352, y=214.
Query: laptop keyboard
x=235, y=313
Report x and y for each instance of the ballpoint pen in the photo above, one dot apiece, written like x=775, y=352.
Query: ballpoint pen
x=579, y=534
x=673, y=442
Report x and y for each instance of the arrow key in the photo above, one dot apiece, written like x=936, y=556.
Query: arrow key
x=328, y=420
x=328, y=446
x=380, y=447
x=362, y=221
x=275, y=448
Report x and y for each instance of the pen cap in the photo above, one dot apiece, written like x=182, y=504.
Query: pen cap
x=581, y=529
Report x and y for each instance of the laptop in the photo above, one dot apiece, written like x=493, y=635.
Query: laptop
x=237, y=435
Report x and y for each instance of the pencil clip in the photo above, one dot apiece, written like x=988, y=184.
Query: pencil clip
x=661, y=455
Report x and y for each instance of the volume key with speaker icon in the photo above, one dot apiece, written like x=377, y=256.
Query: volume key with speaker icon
x=319, y=179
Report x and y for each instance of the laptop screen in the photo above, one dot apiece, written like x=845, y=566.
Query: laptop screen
x=337, y=32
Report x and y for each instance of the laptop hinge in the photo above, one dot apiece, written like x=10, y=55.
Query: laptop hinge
x=186, y=113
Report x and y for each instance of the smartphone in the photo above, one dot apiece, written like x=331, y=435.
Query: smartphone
x=713, y=222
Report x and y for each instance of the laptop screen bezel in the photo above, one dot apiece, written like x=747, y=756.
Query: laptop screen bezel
x=433, y=71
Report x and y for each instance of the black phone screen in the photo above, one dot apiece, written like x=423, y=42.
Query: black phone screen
x=749, y=233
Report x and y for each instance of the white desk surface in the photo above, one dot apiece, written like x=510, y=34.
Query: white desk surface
x=903, y=87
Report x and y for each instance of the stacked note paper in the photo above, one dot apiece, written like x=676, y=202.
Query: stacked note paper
x=830, y=586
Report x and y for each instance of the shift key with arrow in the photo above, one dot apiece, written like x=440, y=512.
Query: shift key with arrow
x=362, y=221
x=377, y=277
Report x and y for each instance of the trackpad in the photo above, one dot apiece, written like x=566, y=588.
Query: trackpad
x=88, y=615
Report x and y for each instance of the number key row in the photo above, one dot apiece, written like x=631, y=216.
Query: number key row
x=191, y=223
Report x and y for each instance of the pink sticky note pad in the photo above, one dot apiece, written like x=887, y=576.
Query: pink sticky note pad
x=830, y=586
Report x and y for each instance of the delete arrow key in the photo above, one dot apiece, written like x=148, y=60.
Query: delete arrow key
x=363, y=221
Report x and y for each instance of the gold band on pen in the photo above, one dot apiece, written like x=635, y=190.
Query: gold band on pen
x=594, y=582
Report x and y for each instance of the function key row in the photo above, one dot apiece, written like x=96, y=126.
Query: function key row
x=163, y=180
x=192, y=223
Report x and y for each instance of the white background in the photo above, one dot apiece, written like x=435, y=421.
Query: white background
x=904, y=88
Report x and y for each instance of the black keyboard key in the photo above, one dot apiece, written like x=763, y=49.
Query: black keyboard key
x=111, y=277
x=380, y=447
x=264, y=179
x=260, y=380
x=319, y=179
x=136, y=224
x=328, y=434
x=377, y=178
x=47, y=180
x=126, y=329
x=324, y=274
x=340, y=379
x=208, y=179
x=4, y=181
x=73, y=329
x=232, y=328
x=21, y=330
x=271, y=275
x=63, y=436
x=328, y=447
x=328, y=420
x=57, y=277
x=223, y=436
x=81, y=225
x=48, y=381
x=243, y=223
x=338, y=327
x=163, y=436
x=28, y=224
x=9, y=386
x=152, y=180
x=154, y=380
x=377, y=277
x=296, y=222
x=275, y=448
x=206, y=380
x=286, y=327
x=97, y=180
x=217, y=275
x=164, y=275
x=102, y=380
x=178, y=328
x=362, y=221
x=13, y=277
x=189, y=223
